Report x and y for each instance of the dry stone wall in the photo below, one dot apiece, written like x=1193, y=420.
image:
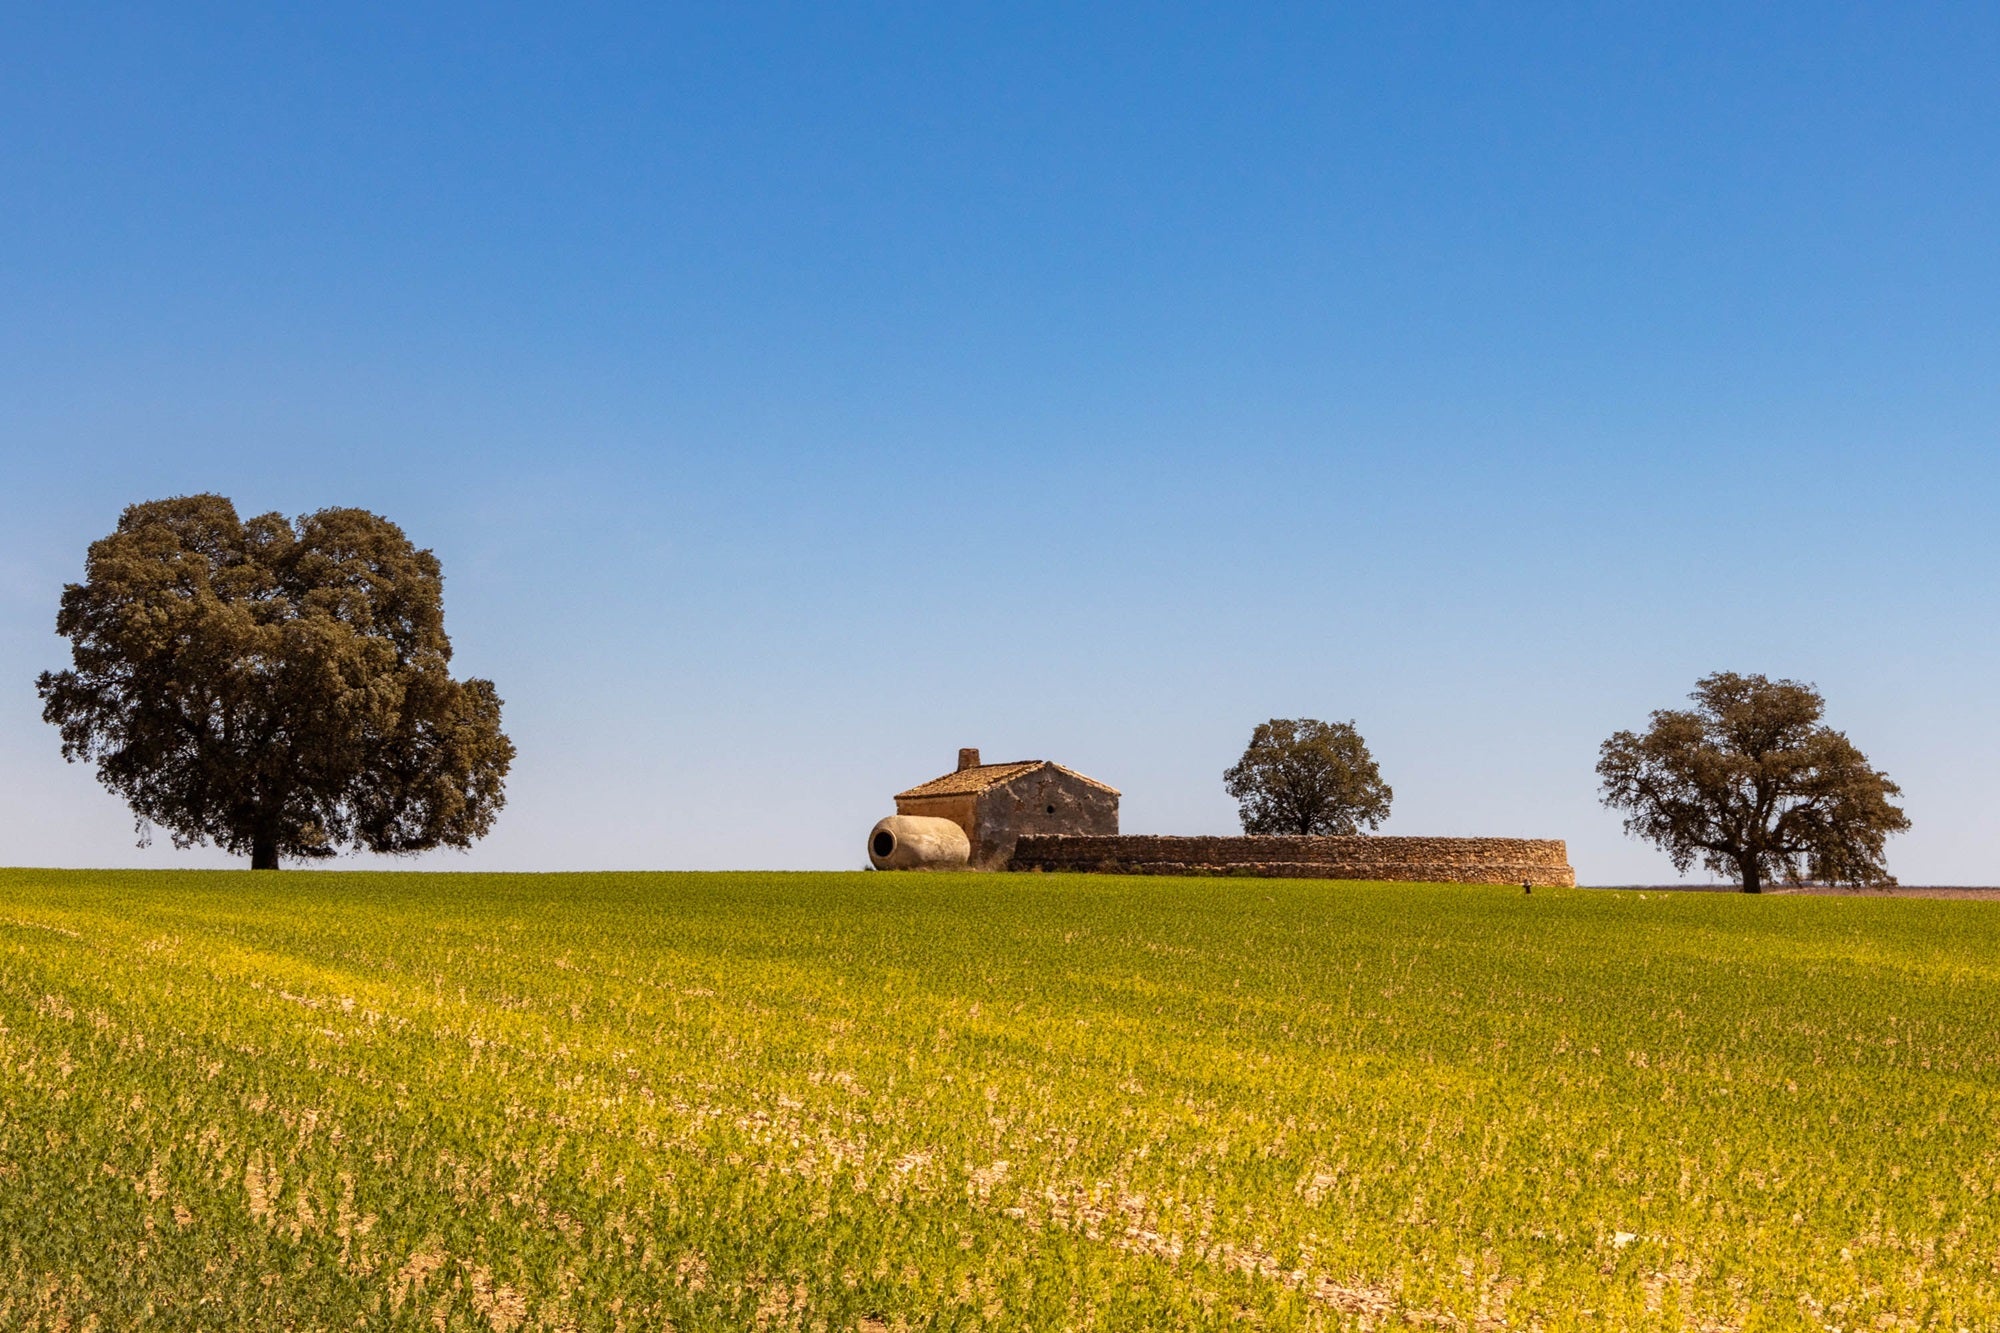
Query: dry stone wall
x=1542, y=861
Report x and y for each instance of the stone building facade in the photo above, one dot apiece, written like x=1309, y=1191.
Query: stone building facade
x=1542, y=861
x=997, y=804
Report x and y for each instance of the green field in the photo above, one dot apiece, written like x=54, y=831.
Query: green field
x=867, y=1101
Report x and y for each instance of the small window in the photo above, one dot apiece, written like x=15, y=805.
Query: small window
x=1052, y=809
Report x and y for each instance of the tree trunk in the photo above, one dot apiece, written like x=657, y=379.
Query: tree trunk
x=1753, y=874
x=264, y=852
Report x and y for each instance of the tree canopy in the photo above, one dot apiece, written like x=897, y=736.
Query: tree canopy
x=279, y=688
x=1749, y=782
x=1301, y=775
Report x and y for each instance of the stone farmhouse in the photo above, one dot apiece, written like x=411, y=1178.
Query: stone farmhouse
x=996, y=804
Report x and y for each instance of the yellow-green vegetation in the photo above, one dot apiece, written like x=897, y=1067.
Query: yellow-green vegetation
x=870, y=1101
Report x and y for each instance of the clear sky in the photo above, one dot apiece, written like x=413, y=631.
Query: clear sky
x=796, y=394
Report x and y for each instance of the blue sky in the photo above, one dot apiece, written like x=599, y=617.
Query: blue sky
x=797, y=394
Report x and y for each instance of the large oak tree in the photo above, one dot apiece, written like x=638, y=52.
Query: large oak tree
x=1301, y=775
x=279, y=688
x=1750, y=782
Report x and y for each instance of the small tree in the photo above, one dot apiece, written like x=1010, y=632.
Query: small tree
x=279, y=689
x=1301, y=775
x=1750, y=782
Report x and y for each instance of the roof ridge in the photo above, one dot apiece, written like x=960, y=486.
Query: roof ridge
x=1085, y=777
x=980, y=777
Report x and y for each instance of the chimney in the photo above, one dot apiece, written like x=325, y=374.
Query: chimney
x=968, y=758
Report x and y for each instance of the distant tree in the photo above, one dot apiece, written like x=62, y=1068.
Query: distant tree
x=279, y=689
x=1301, y=775
x=1749, y=782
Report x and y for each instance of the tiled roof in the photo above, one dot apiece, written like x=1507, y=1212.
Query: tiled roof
x=967, y=781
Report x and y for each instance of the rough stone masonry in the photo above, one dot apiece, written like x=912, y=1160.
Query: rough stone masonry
x=1540, y=861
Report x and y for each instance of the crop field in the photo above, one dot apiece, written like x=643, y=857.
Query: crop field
x=869, y=1102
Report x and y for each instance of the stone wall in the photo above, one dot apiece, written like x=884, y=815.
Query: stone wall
x=958, y=807
x=1428, y=860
